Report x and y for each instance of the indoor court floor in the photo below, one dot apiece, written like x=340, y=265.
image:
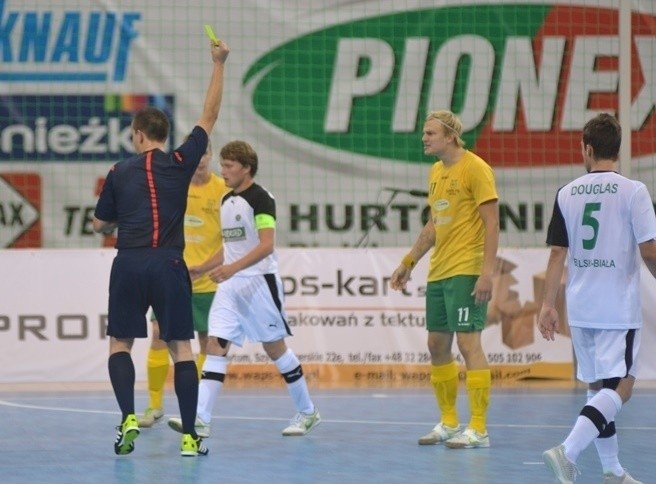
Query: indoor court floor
x=64, y=434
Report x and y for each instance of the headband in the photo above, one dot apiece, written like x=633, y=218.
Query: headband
x=447, y=126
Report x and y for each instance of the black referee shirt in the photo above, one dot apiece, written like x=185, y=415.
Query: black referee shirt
x=146, y=195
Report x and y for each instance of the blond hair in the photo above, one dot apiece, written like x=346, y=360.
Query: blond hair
x=450, y=122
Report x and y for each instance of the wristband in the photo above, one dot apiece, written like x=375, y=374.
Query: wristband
x=408, y=261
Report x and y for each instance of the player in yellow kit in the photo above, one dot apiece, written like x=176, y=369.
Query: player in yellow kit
x=463, y=232
x=202, y=230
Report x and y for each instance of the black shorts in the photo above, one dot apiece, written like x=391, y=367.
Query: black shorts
x=143, y=278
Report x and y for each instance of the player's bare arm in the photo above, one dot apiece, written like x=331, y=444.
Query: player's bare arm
x=489, y=213
x=102, y=226
x=423, y=244
x=214, y=94
x=211, y=263
x=548, y=319
x=648, y=254
x=263, y=249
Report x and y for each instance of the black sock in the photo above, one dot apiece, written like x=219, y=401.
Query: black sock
x=121, y=374
x=186, y=388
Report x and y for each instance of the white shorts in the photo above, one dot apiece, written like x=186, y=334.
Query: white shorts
x=249, y=307
x=605, y=353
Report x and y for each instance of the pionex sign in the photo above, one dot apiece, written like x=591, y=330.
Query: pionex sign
x=524, y=79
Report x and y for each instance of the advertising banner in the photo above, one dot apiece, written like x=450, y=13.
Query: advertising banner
x=331, y=94
x=349, y=328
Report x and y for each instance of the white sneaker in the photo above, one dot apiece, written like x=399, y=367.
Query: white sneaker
x=302, y=423
x=439, y=434
x=610, y=478
x=150, y=417
x=468, y=439
x=202, y=428
x=564, y=470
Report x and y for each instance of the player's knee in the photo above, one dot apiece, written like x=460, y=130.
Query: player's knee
x=439, y=344
x=596, y=386
x=623, y=387
x=611, y=383
x=222, y=347
x=155, y=329
x=217, y=346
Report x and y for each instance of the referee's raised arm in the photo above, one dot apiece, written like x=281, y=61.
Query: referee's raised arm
x=220, y=51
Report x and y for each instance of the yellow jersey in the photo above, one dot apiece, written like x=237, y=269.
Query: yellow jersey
x=454, y=195
x=202, y=227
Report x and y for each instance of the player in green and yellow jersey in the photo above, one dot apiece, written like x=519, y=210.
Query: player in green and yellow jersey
x=463, y=232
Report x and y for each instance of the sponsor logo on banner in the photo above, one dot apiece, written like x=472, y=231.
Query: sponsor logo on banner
x=65, y=45
x=523, y=79
x=72, y=127
x=20, y=206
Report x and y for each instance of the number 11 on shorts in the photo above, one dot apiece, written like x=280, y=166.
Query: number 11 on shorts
x=463, y=314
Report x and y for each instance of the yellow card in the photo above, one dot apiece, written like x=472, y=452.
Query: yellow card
x=210, y=34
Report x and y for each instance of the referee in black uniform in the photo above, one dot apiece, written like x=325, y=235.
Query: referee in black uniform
x=145, y=197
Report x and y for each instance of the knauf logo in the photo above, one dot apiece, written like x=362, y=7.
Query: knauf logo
x=42, y=46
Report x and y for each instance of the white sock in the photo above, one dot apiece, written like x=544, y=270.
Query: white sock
x=298, y=389
x=608, y=450
x=209, y=389
x=608, y=403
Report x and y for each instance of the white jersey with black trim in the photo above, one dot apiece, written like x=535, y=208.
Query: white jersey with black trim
x=240, y=232
x=602, y=217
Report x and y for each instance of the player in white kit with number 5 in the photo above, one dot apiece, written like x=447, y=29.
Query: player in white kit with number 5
x=249, y=301
x=601, y=223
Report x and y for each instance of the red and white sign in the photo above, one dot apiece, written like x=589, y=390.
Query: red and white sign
x=20, y=207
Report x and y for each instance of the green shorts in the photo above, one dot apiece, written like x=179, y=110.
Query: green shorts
x=450, y=307
x=201, y=302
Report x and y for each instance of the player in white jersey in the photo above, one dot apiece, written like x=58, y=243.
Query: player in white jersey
x=249, y=300
x=601, y=223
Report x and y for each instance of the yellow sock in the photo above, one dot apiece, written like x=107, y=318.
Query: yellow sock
x=200, y=361
x=444, y=379
x=479, y=383
x=158, y=370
